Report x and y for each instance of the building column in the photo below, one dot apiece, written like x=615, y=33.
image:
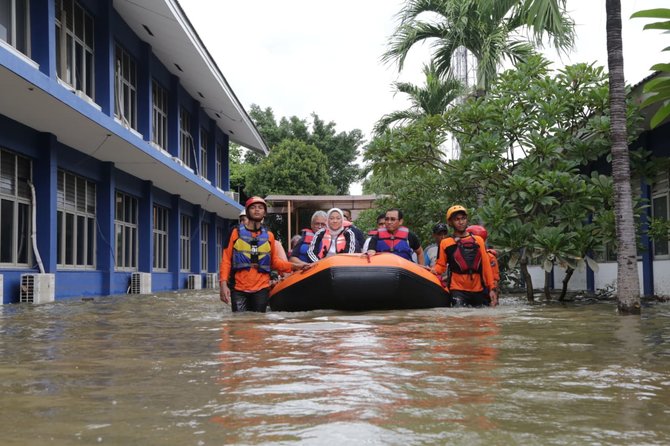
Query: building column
x=213, y=254
x=196, y=246
x=647, y=242
x=174, y=245
x=145, y=228
x=104, y=59
x=173, y=117
x=46, y=208
x=105, y=204
x=43, y=37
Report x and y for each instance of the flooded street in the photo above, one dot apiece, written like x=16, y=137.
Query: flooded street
x=180, y=369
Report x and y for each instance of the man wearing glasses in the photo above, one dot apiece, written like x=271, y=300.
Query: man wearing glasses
x=396, y=238
x=300, y=251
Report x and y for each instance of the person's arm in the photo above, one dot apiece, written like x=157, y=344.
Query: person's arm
x=316, y=242
x=224, y=268
x=419, y=256
x=415, y=244
x=372, y=244
x=487, y=273
x=441, y=262
x=352, y=242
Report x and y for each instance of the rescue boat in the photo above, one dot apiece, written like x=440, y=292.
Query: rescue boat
x=352, y=282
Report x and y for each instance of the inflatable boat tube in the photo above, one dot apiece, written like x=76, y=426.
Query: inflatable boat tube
x=351, y=282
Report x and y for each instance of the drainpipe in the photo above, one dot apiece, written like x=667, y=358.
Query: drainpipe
x=33, y=235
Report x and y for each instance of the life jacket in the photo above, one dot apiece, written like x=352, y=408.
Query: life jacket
x=250, y=251
x=301, y=251
x=328, y=239
x=372, y=232
x=465, y=256
x=397, y=243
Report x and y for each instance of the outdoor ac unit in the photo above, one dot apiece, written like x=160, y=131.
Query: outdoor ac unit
x=140, y=283
x=211, y=280
x=194, y=282
x=37, y=288
x=232, y=194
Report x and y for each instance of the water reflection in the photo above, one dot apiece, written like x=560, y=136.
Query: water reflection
x=180, y=369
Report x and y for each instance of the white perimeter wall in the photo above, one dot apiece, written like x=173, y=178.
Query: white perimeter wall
x=606, y=276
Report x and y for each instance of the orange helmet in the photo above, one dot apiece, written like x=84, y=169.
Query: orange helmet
x=254, y=200
x=456, y=208
x=493, y=252
x=478, y=230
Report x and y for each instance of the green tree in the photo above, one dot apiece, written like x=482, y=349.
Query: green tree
x=293, y=167
x=341, y=149
x=492, y=30
x=628, y=285
x=658, y=88
x=433, y=98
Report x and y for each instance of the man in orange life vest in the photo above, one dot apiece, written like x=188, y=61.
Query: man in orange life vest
x=469, y=264
x=250, y=255
x=493, y=254
x=396, y=238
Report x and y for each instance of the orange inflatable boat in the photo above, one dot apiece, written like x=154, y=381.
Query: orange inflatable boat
x=354, y=283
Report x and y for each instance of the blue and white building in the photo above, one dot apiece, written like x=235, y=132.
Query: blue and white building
x=115, y=125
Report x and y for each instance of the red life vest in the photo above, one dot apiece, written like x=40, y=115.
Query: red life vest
x=397, y=243
x=466, y=258
x=327, y=240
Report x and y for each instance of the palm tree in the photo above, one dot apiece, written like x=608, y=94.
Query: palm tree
x=433, y=98
x=628, y=285
x=492, y=30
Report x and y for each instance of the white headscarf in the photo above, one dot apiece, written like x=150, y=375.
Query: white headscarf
x=335, y=232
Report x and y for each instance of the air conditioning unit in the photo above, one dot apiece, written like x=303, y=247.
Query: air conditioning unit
x=37, y=288
x=211, y=280
x=194, y=282
x=140, y=283
x=232, y=194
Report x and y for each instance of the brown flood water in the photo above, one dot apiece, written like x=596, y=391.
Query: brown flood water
x=180, y=369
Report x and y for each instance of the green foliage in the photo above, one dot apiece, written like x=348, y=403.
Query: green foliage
x=341, y=149
x=293, y=167
x=491, y=30
x=659, y=87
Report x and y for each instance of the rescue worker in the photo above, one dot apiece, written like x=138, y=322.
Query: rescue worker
x=440, y=231
x=337, y=237
x=250, y=256
x=493, y=254
x=469, y=265
x=317, y=222
x=243, y=217
x=396, y=238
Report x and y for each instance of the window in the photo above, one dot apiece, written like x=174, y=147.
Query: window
x=76, y=222
x=15, y=24
x=74, y=46
x=185, y=240
x=219, y=165
x=204, y=247
x=203, y=152
x=15, y=210
x=161, y=215
x=125, y=90
x=185, y=138
x=125, y=229
x=159, y=117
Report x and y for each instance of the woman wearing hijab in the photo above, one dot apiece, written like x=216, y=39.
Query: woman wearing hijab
x=337, y=237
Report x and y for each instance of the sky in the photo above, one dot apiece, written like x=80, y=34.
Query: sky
x=308, y=56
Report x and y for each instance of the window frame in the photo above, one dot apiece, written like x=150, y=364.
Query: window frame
x=18, y=197
x=70, y=248
x=204, y=247
x=161, y=238
x=159, y=115
x=125, y=87
x=16, y=28
x=185, y=244
x=185, y=138
x=204, y=146
x=126, y=229
x=74, y=48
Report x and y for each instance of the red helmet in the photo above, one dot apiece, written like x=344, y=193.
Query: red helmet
x=254, y=200
x=478, y=230
x=493, y=252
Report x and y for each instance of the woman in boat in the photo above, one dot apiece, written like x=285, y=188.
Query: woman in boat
x=337, y=237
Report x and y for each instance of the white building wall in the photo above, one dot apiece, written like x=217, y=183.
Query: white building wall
x=605, y=277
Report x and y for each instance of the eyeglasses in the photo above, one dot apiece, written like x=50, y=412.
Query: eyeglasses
x=319, y=224
x=390, y=218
